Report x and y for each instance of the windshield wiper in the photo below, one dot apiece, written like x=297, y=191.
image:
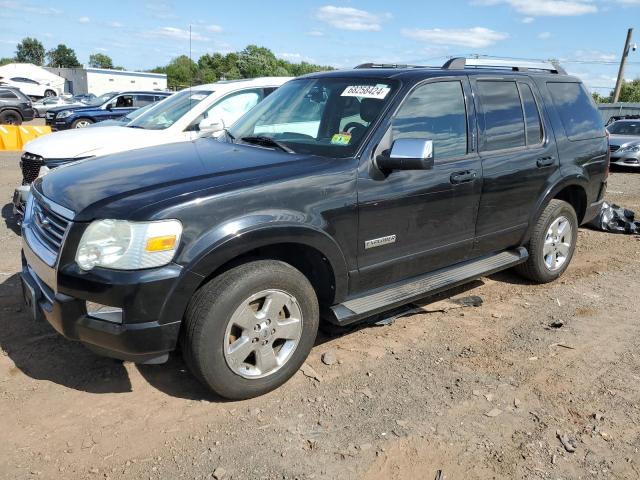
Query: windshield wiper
x=266, y=142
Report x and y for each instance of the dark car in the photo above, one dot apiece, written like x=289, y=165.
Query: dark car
x=15, y=107
x=343, y=195
x=105, y=107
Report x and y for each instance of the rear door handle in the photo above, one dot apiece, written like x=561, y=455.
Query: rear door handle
x=545, y=162
x=463, y=177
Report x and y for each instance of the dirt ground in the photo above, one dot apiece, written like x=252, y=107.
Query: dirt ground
x=474, y=393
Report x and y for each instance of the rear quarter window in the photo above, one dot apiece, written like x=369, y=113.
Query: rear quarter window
x=580, y=118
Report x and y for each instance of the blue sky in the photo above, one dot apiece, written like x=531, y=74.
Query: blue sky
x=587, y=35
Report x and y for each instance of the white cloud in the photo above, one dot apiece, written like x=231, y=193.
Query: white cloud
x=160, y=9
x=214, y=28
x=528, y=20
x=28, y=8
x=476, y=37
x=315, y=33
x=594, y=56
x=544, y=35
x=552, y=8
x=84, y=20
x=101, y=49
x=348, y=18
x=176, y=33
x=116, y=25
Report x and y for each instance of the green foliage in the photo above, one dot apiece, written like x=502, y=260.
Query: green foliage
x=100, y=60
x=63, y=57
x=6, y=60
x=30, y=50
x=251, y=62
x=630, y=91
x=600, y=98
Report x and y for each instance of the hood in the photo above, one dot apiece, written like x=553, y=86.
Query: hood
x=620, y=140
x=78, y=107
x=90, y=142
x=119, y=185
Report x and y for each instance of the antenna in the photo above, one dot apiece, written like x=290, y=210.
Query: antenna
x=190, y=72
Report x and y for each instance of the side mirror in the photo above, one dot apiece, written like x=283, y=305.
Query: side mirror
x=110, y=107
x=211, y=125
x=407, y=154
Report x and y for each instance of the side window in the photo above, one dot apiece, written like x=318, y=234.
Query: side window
x=580, y=118
x=233, y=106
x=269, y=90
x=142, y=100
x=531, y=115
x=435, y=111
x=7, y=94
x=124, y=101
x=501, y=119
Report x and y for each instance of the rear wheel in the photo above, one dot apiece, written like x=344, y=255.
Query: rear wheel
x=249, y=330
x=81, y=123
x=49, y=93
x=552, y=244
x=10, y=117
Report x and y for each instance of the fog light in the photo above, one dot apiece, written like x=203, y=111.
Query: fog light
x=104, y=312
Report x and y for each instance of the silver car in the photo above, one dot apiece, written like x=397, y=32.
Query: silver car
x=624, y=142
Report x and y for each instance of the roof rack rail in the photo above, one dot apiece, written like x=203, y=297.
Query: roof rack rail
x=460, y=63
x=388, y=65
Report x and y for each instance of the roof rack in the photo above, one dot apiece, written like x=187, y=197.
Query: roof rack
x=388, y=65
x=460, y=63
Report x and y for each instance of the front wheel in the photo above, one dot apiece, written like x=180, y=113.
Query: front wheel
x=10, y=117
x=249, y=330
x=552, y=244
x=81, y=123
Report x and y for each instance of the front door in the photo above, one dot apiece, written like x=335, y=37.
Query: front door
x=518, y=157
x=416, y=221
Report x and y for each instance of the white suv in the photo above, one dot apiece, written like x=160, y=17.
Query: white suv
x=31, y=88
x=184, y=116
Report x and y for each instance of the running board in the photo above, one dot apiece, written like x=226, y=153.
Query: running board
x=401, y=293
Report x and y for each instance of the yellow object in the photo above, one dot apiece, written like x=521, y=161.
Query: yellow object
x=14, y=137
x=161, y=244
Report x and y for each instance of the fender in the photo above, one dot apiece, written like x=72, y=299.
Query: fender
x=577, y=178
x=239, y=236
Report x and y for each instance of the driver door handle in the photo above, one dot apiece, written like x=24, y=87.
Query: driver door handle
x=545, y=162
x=463, y=177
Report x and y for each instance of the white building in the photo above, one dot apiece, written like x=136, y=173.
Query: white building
x=100, y=80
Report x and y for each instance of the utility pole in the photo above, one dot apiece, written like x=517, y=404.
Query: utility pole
x=623, y=61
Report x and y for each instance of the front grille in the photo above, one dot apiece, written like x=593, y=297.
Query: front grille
x=50, y=115
x=48, y=226
x=30, y=165
x=613, y=148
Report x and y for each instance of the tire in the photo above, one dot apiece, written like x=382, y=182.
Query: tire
x=82, y=123
x=551, y=251
x=49, y=93
x=10, y=117
x=241, y=294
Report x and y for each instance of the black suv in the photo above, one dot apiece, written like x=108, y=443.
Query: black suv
x=343, y=195
x=15, y=107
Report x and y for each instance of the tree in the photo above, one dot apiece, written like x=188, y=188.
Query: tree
x=63, y=57
x=630, y=91
x=6, y=60
x=30, y=50
x=181, y=72
x=100, y=60
x=600, y=98
x=256, y=61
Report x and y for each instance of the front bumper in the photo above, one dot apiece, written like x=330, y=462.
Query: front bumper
x=632, y=159
x=20, y=197
x=138, y=333
x=57, y=124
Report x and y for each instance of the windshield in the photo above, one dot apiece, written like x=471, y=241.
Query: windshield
x=625, y=128
x=96, y=102
x=169, y=111
x=320, y=116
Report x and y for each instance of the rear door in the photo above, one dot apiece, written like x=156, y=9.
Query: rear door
x=415, y=221
x=518, y=154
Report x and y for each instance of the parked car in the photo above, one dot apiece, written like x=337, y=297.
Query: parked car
x=343, y=195
x=31, y=88
x=624, y=142
x=123, y=121
x=184, y=116
x=106, y=107
x=15, y=107
x=43, y=105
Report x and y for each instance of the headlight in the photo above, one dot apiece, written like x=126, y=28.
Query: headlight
x=123, y=245
x=633, y=148
x=64, y=114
